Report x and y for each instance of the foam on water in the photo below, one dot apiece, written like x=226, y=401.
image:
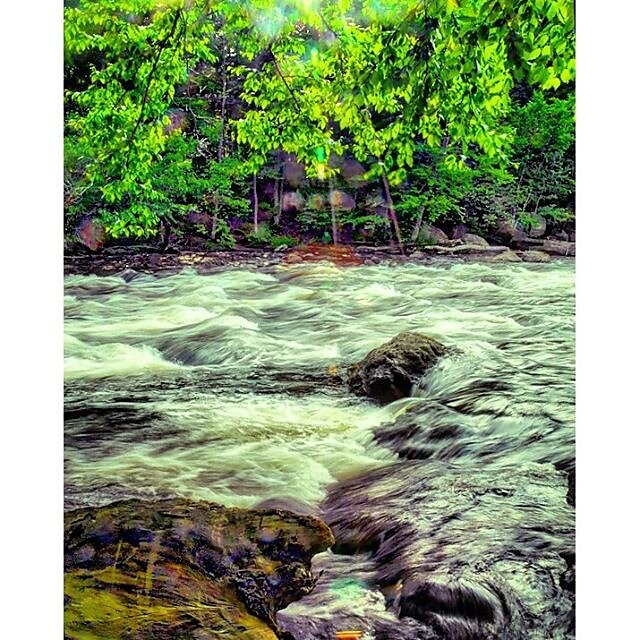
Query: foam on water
x=237, y=450
x=246, y=327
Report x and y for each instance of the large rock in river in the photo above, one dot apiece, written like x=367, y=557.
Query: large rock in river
x=389, y=372
x=183, y=569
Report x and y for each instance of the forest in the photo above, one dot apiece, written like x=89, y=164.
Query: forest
x=212, y=124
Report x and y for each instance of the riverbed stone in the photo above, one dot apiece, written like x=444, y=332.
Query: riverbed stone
x=184, y=569
x=389, y=372
x=473, y=239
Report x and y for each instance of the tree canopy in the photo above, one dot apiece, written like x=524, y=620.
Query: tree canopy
x=375, y=80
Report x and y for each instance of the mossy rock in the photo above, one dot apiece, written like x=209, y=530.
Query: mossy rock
x=183, y=569
x=389, y=372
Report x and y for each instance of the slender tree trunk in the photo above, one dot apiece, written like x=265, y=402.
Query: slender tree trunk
x=255, y=203
x=280, y=199
x=416, y=230
x=526, y=202
x=276, y=195
x=334, y=221
x=223, y=108
x=535, y=211
x=391, y=209
x=214, y=225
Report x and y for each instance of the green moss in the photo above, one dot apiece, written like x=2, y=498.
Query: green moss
x=103, y=606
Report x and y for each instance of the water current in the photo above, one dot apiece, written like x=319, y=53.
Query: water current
x=453, y=509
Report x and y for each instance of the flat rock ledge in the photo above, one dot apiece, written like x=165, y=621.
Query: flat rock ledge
x=177, y=569
x=389, y=372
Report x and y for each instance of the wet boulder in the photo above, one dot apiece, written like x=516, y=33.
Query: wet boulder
x=184, y=569
x=389, y=372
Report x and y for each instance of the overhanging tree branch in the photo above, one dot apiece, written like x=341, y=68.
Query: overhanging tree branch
x=161, y=47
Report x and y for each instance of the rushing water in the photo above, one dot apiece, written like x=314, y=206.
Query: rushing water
x=451, y=505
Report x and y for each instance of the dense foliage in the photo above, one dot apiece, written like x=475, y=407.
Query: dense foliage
x=272, y=120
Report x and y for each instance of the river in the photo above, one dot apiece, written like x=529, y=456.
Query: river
x=452, y=509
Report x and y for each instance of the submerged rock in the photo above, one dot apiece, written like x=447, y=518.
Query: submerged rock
x=389, y=372
x=184, y=569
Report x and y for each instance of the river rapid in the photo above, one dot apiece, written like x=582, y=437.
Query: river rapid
x=453, y=509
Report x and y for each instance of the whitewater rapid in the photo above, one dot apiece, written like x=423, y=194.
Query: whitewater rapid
x=226, y=387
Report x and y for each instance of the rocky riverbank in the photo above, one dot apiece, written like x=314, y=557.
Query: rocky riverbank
x=122, y=259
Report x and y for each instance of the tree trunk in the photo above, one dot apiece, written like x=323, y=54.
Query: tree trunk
x=535, y=211
x=214, y=225
x=416, y=229
x=391, y=209
x=280, y=199
x=223, y=108
x=255, y=203
x=276, y=195
x=334, y=221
